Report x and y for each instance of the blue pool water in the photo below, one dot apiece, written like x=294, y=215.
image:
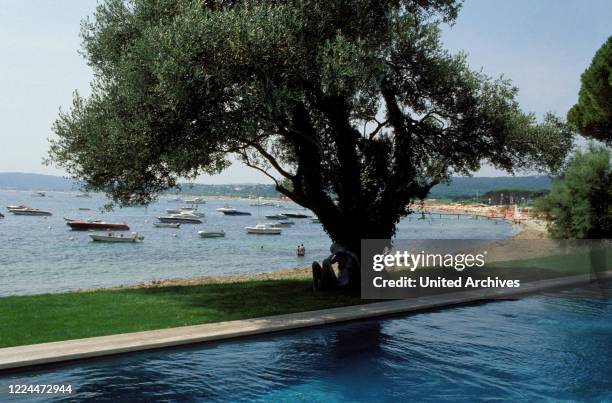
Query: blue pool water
x=555, y=346
x=40, y=255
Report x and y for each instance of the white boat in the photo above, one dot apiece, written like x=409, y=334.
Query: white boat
x=315, y=219
x=179, y=218
x=166, y=224
x=263, y=229
x=195, y=200
x=189, y=211
x=226, y=207
x=211, y=234
x=117, y=238
x=30, y=211
x=70, y=219
x=17, y=207
x=190, y=214
x=83, y=195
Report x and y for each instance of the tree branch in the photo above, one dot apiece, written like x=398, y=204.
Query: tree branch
x=248, y=163
x=378, y=128
x=271, y=160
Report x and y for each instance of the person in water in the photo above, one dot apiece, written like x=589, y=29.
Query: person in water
x=300, y=250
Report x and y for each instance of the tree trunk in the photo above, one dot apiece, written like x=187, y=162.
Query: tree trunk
x=349, y=231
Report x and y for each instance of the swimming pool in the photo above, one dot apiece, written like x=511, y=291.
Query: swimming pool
x=552, y=346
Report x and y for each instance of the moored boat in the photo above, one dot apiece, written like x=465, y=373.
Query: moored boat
x=263, y=204
x=166, y=225
x=97, y=226
x=211, y=234
x=231, y=211
x=295, y=215
x=189, y=211
x=180, y=218
x=70, y=219
x=30, y=211
x=110, y=237
x=195, y=200
x=281, y=224
x=263, y=229
x=277, y=217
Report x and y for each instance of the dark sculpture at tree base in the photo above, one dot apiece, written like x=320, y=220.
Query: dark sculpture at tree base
x=324, y=277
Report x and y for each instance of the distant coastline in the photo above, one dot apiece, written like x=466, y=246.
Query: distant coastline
x=460, y=187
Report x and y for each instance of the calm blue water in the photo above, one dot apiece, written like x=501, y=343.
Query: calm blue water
x=39, y=255
x=546, y=347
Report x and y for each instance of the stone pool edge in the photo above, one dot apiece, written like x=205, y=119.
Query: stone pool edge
x=69, y=350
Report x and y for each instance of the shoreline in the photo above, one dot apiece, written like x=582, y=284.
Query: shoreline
x=529, y=230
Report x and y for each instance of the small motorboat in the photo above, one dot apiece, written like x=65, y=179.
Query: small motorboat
x=277, y=217
x=15, y=207
x=281, y=224
x=30, y=211
x=295, y=215
x=84, y=208
x=110, y=237
x=226, y=207
x=315, y=220
x=79, y=225
x=211, y=234
x=263, y=229
x=83, y=195
x=263, y=204
x=231, y=211
x=195, y=200
x=189, y=211
x=70, y=219
x=39, y=194
x=179, y=218
x=1, y=215
x=166, y=225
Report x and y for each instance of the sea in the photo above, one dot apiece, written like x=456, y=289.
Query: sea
x=42, y=255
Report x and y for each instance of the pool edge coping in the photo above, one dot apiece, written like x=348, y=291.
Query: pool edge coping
x=17, y=357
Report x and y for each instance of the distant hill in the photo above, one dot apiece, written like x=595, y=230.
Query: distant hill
x=24, y=181
x=468, y=187
x=460, y=187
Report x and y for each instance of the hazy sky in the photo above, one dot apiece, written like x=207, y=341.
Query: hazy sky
x=542, y=45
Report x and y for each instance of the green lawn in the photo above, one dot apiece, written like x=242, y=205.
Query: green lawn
x=53, y=317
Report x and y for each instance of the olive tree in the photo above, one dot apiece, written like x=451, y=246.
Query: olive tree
x=353, y=108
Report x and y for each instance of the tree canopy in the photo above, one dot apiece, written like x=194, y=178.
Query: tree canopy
x=355, y=104
x=579, y=203
x=592, y=115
